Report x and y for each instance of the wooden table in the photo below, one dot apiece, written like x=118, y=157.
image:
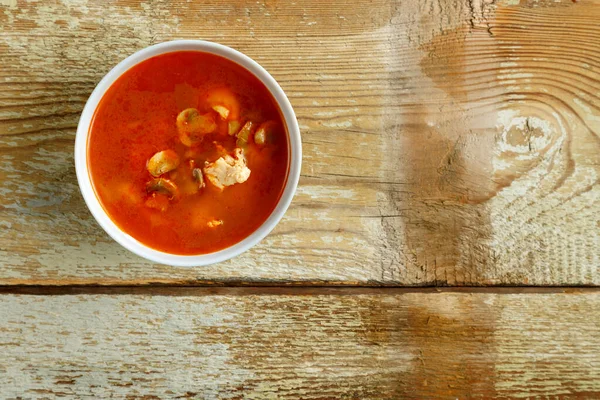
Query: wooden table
x=451, y=147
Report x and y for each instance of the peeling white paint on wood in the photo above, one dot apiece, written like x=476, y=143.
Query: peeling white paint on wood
x=408, y=178
x=383, y=346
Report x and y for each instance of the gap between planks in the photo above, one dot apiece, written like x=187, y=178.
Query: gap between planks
x=170, y=290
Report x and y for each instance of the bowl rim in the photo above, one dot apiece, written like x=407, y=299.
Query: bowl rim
x=132, y=244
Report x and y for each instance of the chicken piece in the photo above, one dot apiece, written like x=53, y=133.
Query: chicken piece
x=228, y=170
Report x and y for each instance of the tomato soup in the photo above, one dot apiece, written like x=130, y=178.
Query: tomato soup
x=188, y=153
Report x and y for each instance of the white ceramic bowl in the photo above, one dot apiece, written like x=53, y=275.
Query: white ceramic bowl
x=81, y=156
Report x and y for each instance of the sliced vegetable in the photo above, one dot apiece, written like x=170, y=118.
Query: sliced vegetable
x=264, y=133
x=164, y=186
x=224, y=97
x=233, y=127
x=192, y=126
x=162, y=162
x=243, y=135
x=222, y=111
x=260, y=137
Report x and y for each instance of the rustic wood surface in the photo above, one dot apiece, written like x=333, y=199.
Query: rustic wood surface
x=233, y=344
x=445, y=142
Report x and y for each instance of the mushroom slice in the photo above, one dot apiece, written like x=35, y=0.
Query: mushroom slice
x=198, y=177
x=192, y=126
x=162, y=162
x=164, y=186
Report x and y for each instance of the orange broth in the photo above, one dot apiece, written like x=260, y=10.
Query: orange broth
x=136, y=119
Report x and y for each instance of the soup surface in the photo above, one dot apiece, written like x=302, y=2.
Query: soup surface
x=188, y=153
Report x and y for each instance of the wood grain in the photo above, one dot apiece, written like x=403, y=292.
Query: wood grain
x=200, y=344
x=445, y=142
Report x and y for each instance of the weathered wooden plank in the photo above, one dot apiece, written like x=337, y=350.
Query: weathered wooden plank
x=445, y=142
x=240, y=343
